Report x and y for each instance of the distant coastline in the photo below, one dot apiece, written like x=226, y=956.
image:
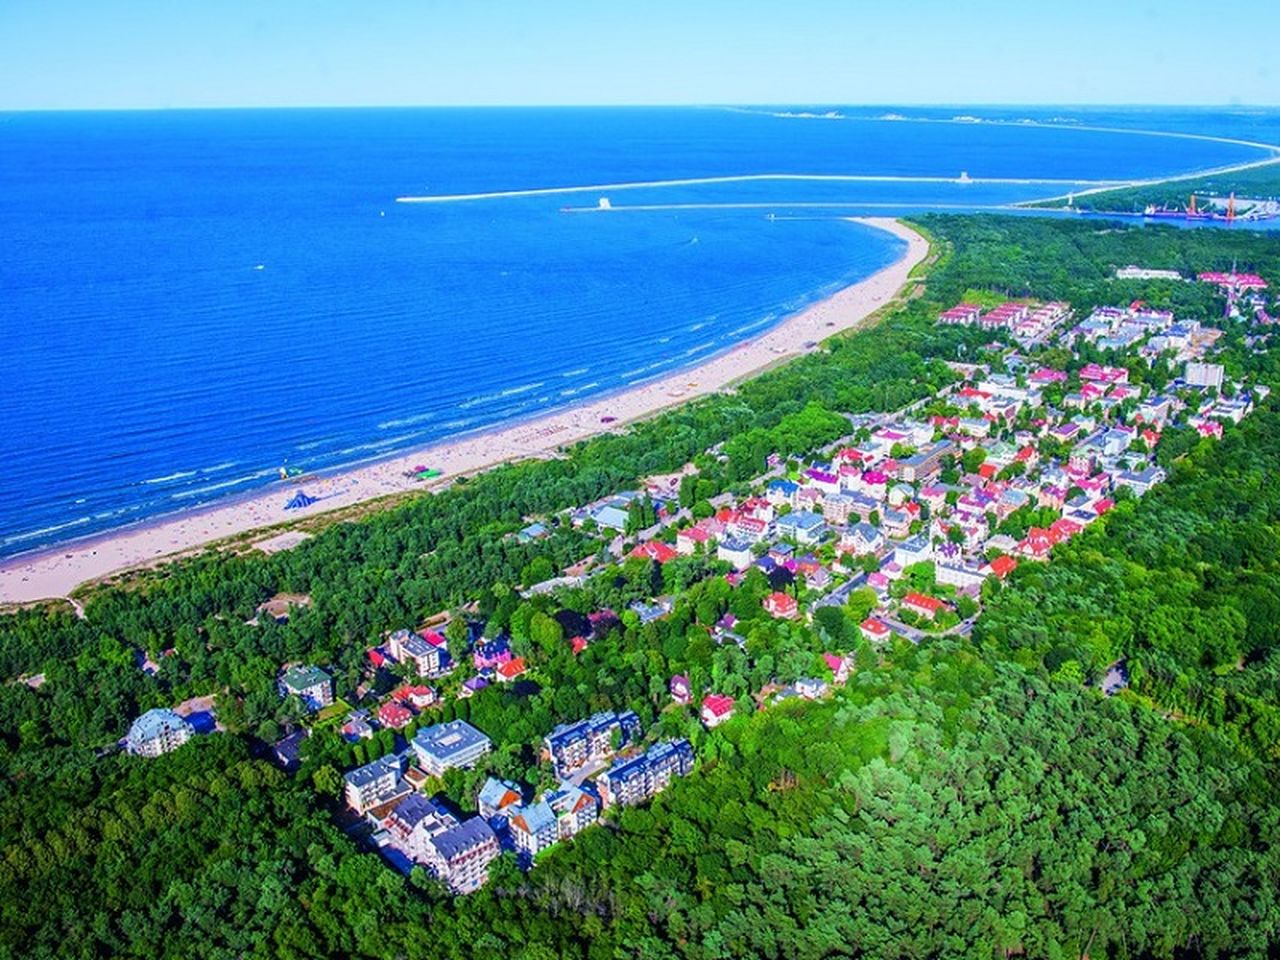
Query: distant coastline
x=59, y=570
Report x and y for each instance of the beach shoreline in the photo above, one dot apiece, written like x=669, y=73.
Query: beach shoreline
x=55, y=572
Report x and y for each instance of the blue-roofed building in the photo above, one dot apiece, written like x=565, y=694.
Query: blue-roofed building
x=803, y=526
x=571, y=746
x=781, y=491
x=533, y=828
x=737, y=553
x=461, y=855
x=1140, y=481
x=918, y=549
x=157, y=731
x=497, y=798
x=639, y=778
x=575, y=809
x=533, y=531
x=376, y=784
x=414, y=822
x=446, y=746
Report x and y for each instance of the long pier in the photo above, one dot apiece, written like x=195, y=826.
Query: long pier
x=754, y=178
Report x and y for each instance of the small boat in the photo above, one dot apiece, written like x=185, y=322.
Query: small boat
x=608, y=419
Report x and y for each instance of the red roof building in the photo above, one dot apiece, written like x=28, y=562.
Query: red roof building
x=838, y=666
x=512, y=669
x=716, y=709
x=781, y=605
x=875, y=630
x=1238, y=281
x=1064, y=529
x=922, y=605
x=418, y=695
x=1002, y=566
x=394, y=715
x=654, y=550
x=1100, y=374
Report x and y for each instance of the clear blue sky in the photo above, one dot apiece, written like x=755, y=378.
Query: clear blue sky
x=203, y=53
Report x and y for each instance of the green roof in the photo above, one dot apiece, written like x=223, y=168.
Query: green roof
x=303, y=678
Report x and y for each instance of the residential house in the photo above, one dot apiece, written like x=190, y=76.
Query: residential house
x=964, y=577
x=736, y=553
x=654, y=550
x=690, y=539
x=575, y=809
x=839, y=667
x=393, y=715
x=357, y=727
x=156, y=732
x=492, y=654
x=837, y=507
x=533, y=828
x=681, y=692
x=428, y=659
x=811, y=688
x=875, y=630
x=716, y=709
x=922, y=605
x=1002, y=566
x=861, y=538
x=962, y=314
x=417, y=695
x=311, y=685
x=496, y=798
x=782, y=605
x=509, y=671
x=376, y=784
x=918, y=549
x=895, y=523
x=1140, y=481
x=780, y=492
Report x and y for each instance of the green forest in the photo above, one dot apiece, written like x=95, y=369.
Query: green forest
x=961, y=798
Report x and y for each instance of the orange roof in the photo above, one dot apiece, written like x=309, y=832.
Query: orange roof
x=925, y=603
x=512, y=668
x=654, y=550
x=1003, y=566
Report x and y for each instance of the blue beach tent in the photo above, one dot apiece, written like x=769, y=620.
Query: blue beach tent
x=300, y=500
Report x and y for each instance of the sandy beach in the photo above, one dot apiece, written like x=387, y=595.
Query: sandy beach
x=56, y=572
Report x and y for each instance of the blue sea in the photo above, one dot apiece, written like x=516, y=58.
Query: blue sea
x=189, y=300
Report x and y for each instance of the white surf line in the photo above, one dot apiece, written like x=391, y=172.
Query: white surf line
x=747, y=178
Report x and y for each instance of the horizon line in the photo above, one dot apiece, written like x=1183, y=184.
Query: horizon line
x=1095, y=105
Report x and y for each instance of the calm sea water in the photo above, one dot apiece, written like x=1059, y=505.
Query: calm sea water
x=190, y=299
